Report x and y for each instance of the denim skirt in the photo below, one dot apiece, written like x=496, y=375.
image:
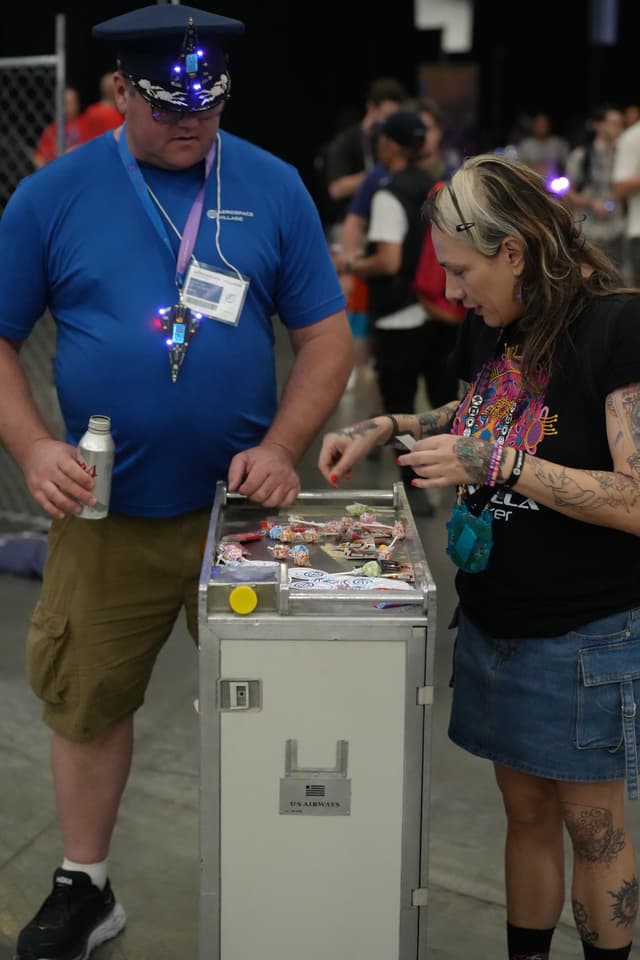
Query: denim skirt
x=560, y=707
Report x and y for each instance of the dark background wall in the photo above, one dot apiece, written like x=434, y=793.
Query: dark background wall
x=300, y=64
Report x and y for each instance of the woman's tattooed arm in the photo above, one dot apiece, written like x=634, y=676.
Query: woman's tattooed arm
x=436, y=421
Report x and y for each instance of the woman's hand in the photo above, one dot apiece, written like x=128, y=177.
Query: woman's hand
x=447, y=460
x=341, y=449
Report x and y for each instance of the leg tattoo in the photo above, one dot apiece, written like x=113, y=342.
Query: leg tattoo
x=580, y=917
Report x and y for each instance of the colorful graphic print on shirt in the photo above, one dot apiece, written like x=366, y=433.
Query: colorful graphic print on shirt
x=532, y=420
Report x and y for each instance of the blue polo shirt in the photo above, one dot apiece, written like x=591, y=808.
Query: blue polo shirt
x=75, y=239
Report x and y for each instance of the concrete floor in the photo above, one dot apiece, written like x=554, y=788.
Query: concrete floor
x=154, y=861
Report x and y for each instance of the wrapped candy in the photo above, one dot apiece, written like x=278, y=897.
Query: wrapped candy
x=229, y=552
x=300, y=555
x=398, y=530
x=356, y=509
x=280, y=551
x=285, y=534
x=385, y=552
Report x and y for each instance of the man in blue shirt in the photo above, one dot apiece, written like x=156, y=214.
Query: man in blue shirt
x=110, y=238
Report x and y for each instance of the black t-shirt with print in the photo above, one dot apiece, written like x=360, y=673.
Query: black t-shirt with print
x=548, y=573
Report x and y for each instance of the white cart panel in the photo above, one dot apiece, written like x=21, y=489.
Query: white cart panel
x=279, y=864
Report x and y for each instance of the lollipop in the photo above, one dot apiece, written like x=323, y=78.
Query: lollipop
x=369, y=569
x=355, y=509
x=280, y=551
x=228, y=552
x=300, y=555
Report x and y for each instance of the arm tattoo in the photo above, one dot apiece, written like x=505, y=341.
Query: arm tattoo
x=592, y=833
x=580, y=917
x=616, y=490
x=625, y=903
x=627, y=403
x=474, y=457
x=358, y=429
x=436, y=421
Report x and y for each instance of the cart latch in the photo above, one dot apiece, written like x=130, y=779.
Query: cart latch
x=419, y=897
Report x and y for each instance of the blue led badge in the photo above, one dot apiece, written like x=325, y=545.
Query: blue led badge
x=178, y=333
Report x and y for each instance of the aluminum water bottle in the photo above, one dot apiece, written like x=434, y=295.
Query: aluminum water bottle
x=95, y=455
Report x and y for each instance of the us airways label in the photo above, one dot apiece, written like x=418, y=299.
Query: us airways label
x=330, y=797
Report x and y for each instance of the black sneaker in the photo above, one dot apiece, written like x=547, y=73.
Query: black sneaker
x=72, y=921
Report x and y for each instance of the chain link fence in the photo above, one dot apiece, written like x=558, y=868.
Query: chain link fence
x=31, y=97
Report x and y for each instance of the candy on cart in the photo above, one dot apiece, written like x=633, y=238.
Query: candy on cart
x=369, y=569
x=361, y=550
x=279, y=532
x=300, y=555
x=229, y=552
x=280, y=551
x=385, y=551
x=356, y=509
x=398, y=530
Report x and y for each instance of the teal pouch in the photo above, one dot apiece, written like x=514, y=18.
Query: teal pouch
x=470, y=538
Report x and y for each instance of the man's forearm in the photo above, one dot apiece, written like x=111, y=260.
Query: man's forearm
x=20, y=422
x=313, y=389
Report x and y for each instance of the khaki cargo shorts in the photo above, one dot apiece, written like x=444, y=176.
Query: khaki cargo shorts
x=112, y=590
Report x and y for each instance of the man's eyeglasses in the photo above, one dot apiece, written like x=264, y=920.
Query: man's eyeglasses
x=464, y=224
x=171, y=118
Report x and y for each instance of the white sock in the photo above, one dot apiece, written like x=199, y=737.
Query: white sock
x=97, y=871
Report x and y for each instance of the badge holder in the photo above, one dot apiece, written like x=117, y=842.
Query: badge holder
x=216, y=293
x=470, y=531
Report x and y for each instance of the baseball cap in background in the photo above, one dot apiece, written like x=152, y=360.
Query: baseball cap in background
x=405, y=128
x=175, y=56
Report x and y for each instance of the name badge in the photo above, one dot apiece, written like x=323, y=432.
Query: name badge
x=214, y=292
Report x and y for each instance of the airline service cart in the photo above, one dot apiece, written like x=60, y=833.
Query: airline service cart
x=315, y=706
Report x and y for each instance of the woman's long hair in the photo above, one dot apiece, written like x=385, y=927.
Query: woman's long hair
x=490, y=198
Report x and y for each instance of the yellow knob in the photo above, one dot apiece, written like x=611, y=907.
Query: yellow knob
x=243, y=599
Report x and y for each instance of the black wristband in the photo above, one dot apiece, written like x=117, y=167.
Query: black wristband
x=395, y=429
x=514, y=476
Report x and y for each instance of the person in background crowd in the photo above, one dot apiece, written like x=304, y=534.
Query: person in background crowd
x=436, y=160
x=103, y=115
x=542, y=150
x=544, y=450
x=394, y=241
x=631, y=114
x=353, y=151
x=590, y=170
x=104, y=237
x=626, y=189
x=47, y=148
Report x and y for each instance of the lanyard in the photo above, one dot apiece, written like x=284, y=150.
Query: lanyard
x=190, y=233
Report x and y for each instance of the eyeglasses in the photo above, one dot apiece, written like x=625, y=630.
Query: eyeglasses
x=171, y=118
x=464, y=224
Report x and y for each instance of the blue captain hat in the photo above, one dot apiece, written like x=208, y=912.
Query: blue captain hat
x=175, y=56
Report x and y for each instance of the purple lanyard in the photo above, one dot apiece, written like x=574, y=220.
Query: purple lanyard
x=192, y=226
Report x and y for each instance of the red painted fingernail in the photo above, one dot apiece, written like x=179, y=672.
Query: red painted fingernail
x=333, y=477
x=414, y=483
x=398, y=461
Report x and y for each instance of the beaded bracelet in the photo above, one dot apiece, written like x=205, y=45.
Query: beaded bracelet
x=494, y=465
